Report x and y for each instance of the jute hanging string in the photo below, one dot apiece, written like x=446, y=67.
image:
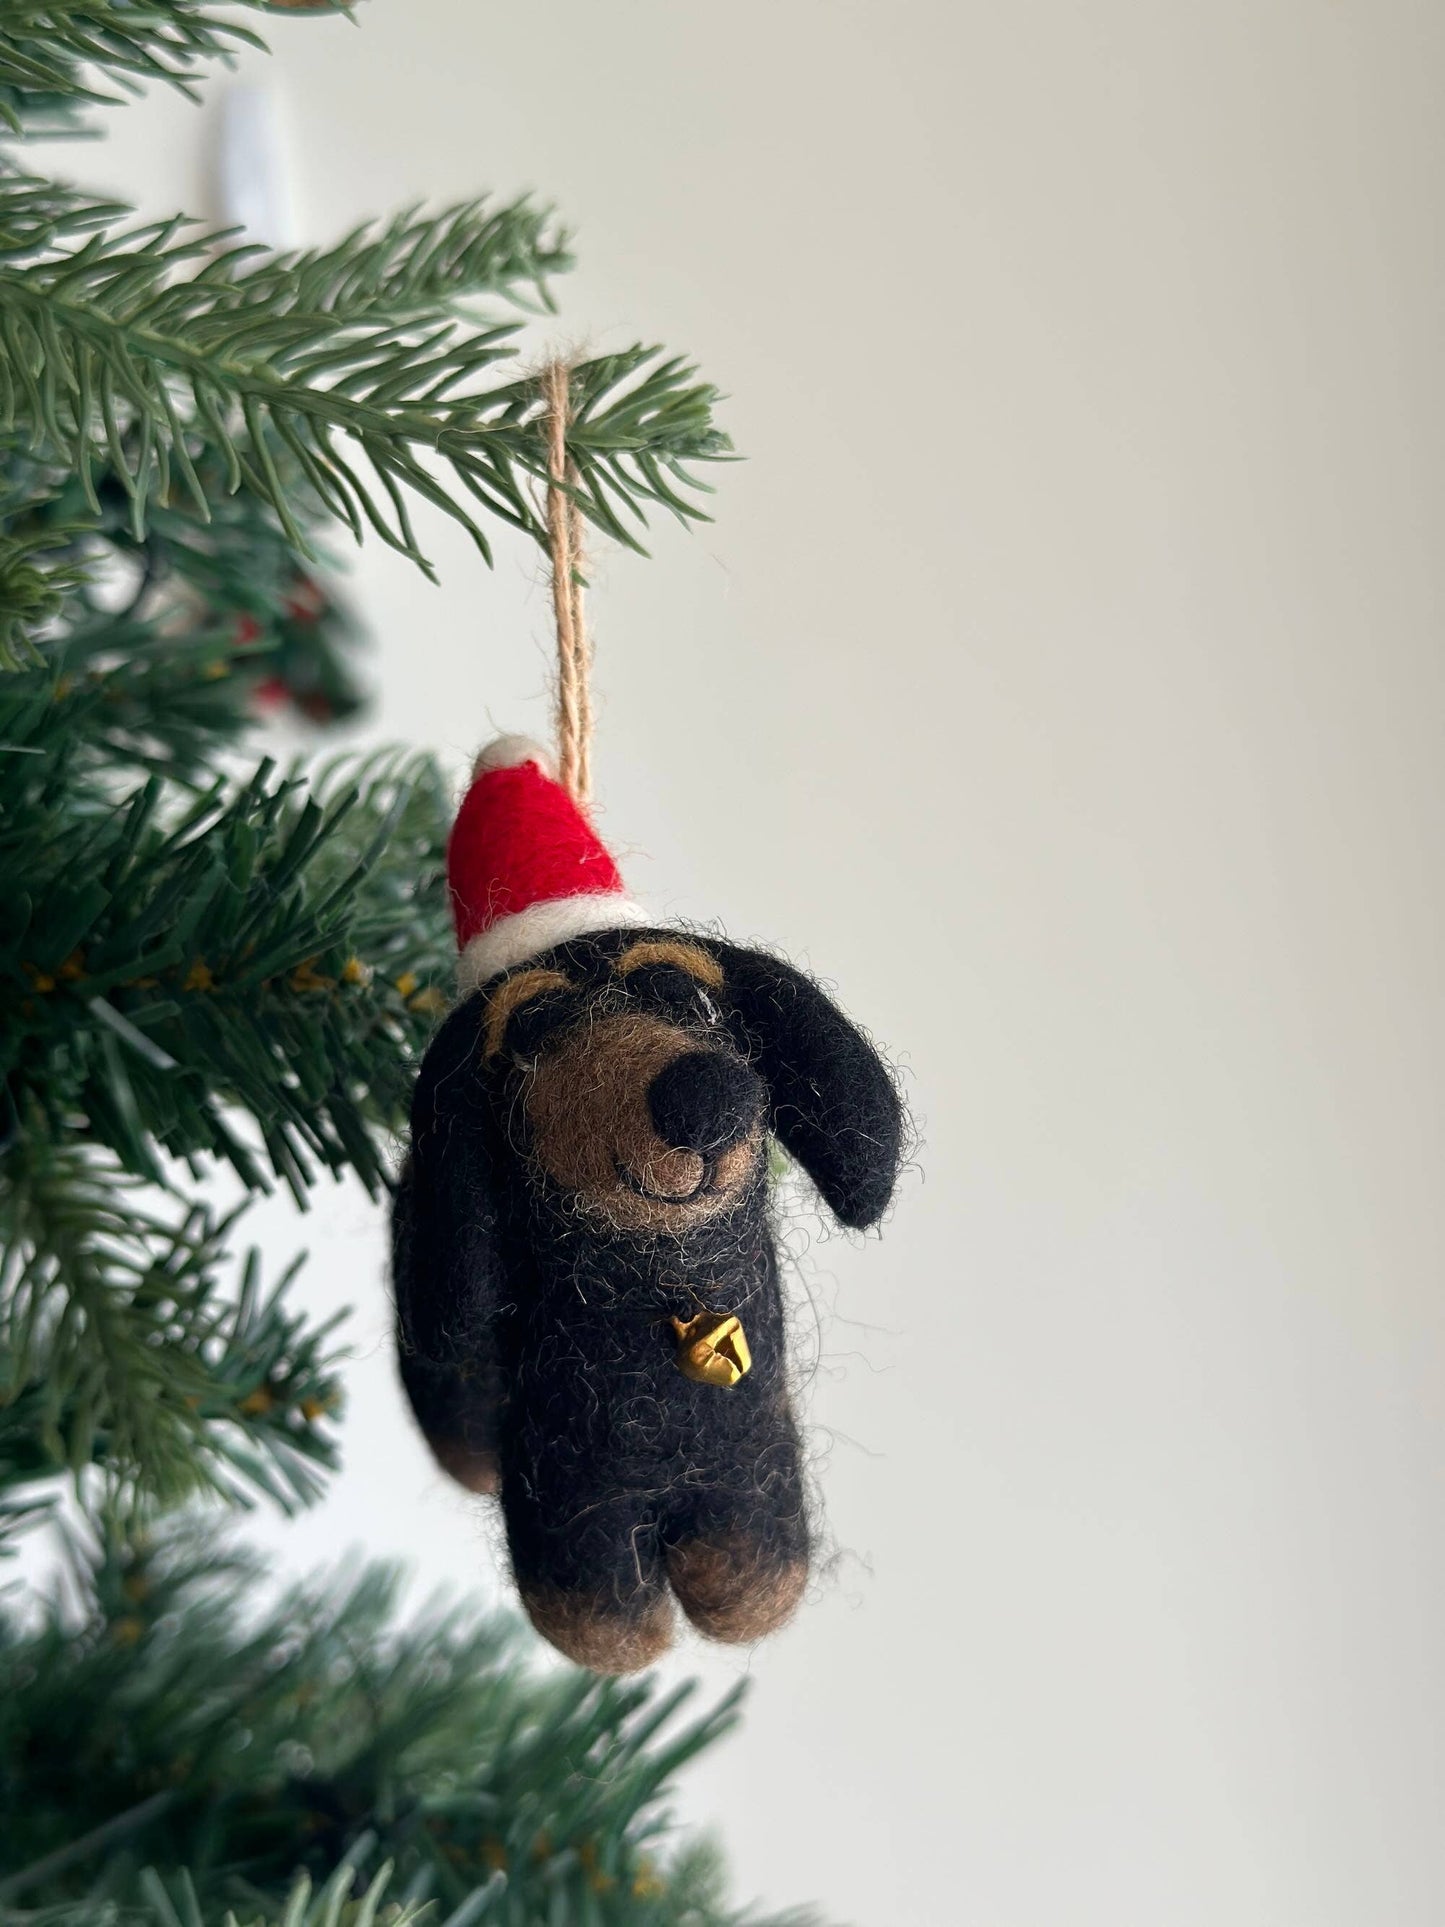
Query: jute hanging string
x=564, y=537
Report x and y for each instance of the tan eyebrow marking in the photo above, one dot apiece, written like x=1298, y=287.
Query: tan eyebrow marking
x=686, y=956
x=509, y=997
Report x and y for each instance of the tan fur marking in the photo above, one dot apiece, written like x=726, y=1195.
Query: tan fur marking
x=731, y=1591
x=509, y=997
x=600, y=1633
x=477, y=1471
x=686, y=956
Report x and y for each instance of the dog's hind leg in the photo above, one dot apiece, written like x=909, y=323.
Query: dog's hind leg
x=737, y=1557
x=593, y=1583
x=733, y=1586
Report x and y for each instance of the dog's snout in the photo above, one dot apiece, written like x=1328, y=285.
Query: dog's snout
x=704, y=1102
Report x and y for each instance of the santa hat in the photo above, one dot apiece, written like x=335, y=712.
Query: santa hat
x=526, y=868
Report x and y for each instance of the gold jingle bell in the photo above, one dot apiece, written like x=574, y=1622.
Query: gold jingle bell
x=711, y=1349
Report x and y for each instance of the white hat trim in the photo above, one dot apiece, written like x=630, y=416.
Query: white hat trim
x=527, y=933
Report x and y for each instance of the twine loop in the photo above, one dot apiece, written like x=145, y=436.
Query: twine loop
x=564, y=541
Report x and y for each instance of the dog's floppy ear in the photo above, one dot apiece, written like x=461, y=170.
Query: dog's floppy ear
x=834, y=1107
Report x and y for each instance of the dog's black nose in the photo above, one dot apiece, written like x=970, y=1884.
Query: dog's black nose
x=704, y=1102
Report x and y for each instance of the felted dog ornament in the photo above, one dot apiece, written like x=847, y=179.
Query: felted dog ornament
x=588, y=1308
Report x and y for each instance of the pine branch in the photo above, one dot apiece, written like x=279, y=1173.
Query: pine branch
x=232, y=591
x=119, y=1349
x=52, y=52
x=115, y=345
x=34, y=584
x=346, y=1899
x=164, y=960
x=185, y=1389
x=314, y=1729
x=401, y=271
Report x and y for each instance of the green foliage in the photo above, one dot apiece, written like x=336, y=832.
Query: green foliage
x=119, y=1347
x=336, y=1904
x=31, y=593
x=206, y=961
x=166, y=962
x=235, y=580
x=53, y=53
x=202, y=1728
x=125, y=342
x=244, y=970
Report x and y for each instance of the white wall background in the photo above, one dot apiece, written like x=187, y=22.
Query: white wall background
x=1062, y=677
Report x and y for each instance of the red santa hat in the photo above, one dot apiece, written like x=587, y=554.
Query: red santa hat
x=526, y=868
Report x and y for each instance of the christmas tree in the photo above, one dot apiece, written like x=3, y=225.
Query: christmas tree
x=208, y=962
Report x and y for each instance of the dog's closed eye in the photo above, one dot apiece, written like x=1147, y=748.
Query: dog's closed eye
x=523, y=1008
x=663, y=987
x=674, y=976
x=529, y=1028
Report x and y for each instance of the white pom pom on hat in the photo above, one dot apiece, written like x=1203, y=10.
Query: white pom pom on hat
x=525, y=866
x=507, y=752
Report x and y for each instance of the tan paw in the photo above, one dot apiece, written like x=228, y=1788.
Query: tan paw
x=600, y=1633
x=732, y=1590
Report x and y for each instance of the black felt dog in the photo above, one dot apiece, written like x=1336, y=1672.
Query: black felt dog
x=588, y=1308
